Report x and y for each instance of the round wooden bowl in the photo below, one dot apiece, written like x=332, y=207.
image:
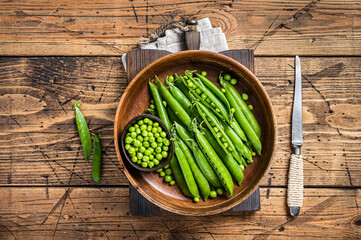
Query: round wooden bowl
x=136, y=99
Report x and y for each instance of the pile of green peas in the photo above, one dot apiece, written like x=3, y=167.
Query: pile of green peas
x=147, y=143
x=166, y=173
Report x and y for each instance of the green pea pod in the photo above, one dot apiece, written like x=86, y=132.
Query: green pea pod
x=180, y=84
x=202, y=161
x=97, y=159
x=227, y=158
x=235, y=126
x=178, y=176
x=241, y=119
x=162, y=113
x=214, y=89
x=240, y=146
x=217, y=164
x=83, y=130
x=186, y=170
x=243, y=106
x=180, y=97
x=173, y=104
x=202, y=182
x=172, y=117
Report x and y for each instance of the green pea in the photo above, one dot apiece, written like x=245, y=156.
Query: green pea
x=164, y=154
x=218, y=110
x=158, y=156
x=160, y=144
x=171, y=78
x=151, y=157
x=208, y=100
x=131, y=129
x=134, y=159
x=151, y=101
x=198, y=91
x=151, y=164
x=160, y=170
x=223, y=139
x=159, y=129
x=140, y=122
x=216, y=129
x=223, y=90
x=150, y=134
x=136, y=126
x=150, y=122
x=233, y=110
x=136, y=149
x=139, y=155
x=139, y=162
x=140, y=138
x=250, y=107
x=149, y=128
x=233, y=81
x=128, y=140
x=225, y=145
x=138, y=131
x=156, y=161
x=168, y=171
x=244, y=96
x=147, y=152
x=158, y=150
x=162, y=174
x=163, y=134
x=242, y=167
x=154, y=130
x=156, y=135
x=151, y=150
x=152, y=106
x=194, y=87
x=137, y=143
x=219, y=191
x=146, y=139
x=253, y=154
x=219, y=134
x=213, y=105
x=196, y=199
x=145, y=159
x=146, y=120
x=166, y=142
x=131, y=151
x=144, y=164
x=128, y=135
x=156, y=124
x=204, y=73
x=166, y=166
x=153, y=145
x=159, y=139
x=127, y=146
x=204, y=96
x=168, y=178
x=145, y=133
x=165, y=148
x=146, y=144
x=227, y=77
x=172, y=182
x=213, y=194
x=190, y=84
x=151, y=139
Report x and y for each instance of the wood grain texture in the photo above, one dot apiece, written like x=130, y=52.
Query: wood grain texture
x=108, y=28
x=90, y=213
x=39, y=143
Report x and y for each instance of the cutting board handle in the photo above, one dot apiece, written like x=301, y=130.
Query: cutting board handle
x=192, y=38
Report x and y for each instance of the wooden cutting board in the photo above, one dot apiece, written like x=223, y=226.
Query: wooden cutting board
x=136, y=61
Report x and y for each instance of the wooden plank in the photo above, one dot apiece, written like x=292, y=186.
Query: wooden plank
x=73, y=213
x=39, y=143
x=105, y=28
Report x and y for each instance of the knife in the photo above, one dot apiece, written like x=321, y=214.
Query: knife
x=295, y=175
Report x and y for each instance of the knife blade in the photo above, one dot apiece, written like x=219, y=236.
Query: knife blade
x=295, y=176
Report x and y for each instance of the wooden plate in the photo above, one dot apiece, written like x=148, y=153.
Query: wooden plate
x=136, y=99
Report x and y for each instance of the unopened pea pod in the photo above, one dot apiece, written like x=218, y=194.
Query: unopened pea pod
x=241, y=119
x=202, y=182
x=243, y=106
x=219, y=108
x=172, y=117
x=173, y=104
x=178, y=176
x=234, y=124
x=202, y=161
x=181, y=85
x=83, y=130
x=217, y=164
x=227, y=158
x=162, y=113
x=180, y=97
x=186, y=170
x=213, y=88
x=240, y=146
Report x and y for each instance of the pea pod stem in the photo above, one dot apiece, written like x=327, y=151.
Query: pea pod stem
x=202, y=182
x=83, y=130
x=97, y=159
x=202, y=161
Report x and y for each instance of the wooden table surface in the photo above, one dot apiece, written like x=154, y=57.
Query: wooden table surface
x=56, y=52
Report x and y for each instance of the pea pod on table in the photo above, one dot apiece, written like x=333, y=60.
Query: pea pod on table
x=97, y=159
x=83, y=130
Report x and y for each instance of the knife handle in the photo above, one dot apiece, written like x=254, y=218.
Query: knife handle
x=295, y=182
